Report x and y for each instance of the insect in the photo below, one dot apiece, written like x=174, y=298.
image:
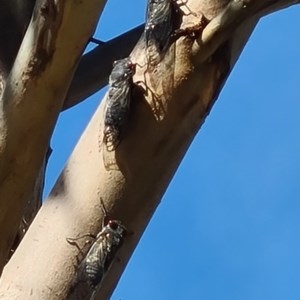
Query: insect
x=153, y=49
x=158, y=28
x=117, y=101
x=117, y=104
x=163, y=18
x=162, y=29
x=97, y=261
x=103, y=251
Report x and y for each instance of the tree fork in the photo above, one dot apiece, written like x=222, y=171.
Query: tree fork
x=32, y=99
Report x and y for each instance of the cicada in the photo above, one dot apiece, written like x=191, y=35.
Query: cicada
x=162, y=29
x=158, y=28
x=163, y=18
x=117, y=106
x=98, y=259
x=159, y=52
x=103, y=251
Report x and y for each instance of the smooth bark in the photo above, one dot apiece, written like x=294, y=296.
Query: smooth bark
x=32, y=99
x=146, y=159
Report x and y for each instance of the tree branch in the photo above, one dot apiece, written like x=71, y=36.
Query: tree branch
x=144, y=166
x=14, y=19
x=236, y=12
x=89, y=78
x=94, y=67
x=32, y=99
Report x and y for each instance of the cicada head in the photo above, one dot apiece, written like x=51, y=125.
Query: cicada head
x=123, y=69
x=117, y=227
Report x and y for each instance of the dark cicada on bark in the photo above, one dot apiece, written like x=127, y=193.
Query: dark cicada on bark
x=94, y=266
x=117, y=102
x=162, y=29
x=161, y=19
x=158, y=29
x=117, y=105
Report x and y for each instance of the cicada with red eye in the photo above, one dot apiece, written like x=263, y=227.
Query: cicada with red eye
x=98, y=259
x=103, y=251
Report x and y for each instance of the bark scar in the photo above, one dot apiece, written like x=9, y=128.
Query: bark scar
x=45, y=24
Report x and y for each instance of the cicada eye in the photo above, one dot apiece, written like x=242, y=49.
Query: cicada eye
x=113, y=224
x=114, y=63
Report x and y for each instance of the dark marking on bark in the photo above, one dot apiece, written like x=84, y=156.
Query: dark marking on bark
x=14, y=19
x=46, y=23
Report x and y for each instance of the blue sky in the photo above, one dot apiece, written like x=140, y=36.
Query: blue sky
x=229, y=224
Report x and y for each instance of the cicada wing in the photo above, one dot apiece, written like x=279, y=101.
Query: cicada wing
x=160, y=81
x=159, y=53
x=107, y=142
x=168, y=71
x=115, y=120
x=109, y=154
x=89, y=273
x=139, y=52
x=80, y=287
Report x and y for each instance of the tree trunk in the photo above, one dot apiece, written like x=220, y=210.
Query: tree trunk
x=157, y=136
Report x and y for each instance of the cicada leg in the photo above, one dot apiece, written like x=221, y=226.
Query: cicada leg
x=73, y=242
